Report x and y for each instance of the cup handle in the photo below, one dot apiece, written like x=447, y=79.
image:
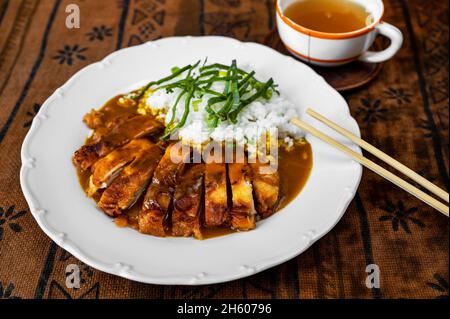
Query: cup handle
x=396, y=37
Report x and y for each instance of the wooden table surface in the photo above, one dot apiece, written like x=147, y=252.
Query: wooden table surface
x=404, y=112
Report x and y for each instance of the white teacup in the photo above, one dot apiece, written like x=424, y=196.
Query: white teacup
x=333, y=49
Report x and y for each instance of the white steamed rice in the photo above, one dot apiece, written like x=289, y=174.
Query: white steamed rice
x=261, y=116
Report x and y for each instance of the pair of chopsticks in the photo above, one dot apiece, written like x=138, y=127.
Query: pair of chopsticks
x=375, y=167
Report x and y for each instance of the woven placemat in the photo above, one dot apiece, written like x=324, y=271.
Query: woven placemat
x=404, y=111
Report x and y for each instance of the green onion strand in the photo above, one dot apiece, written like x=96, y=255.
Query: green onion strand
x=163, y=80
x=241, y=88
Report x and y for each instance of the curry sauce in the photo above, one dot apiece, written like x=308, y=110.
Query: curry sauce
x=294, y=167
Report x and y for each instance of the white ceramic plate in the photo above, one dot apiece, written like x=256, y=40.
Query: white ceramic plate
x=68, y=217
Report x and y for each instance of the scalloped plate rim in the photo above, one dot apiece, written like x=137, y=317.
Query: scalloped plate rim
x=126, y=271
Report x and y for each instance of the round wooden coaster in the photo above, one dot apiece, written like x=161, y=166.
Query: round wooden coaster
x=343, y=78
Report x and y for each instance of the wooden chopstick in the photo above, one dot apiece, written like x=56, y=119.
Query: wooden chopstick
x=374, y=167
x=381, y=155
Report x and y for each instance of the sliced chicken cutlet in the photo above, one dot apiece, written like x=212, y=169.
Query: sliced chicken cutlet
x=187, y=202
x=126, y=189
x=109, y=124
x=107, y=118
x=152, y=219
x=243, y=208
x=132, y=128
x=266, y=187
x=216, y=197
x=105, y=170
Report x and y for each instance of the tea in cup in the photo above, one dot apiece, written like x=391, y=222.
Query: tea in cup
x=335, y=32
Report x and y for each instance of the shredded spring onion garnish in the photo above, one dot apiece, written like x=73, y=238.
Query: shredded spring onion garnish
x=241, y=89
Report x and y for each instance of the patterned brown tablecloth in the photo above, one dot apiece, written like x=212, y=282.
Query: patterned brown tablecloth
x=404, y=111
